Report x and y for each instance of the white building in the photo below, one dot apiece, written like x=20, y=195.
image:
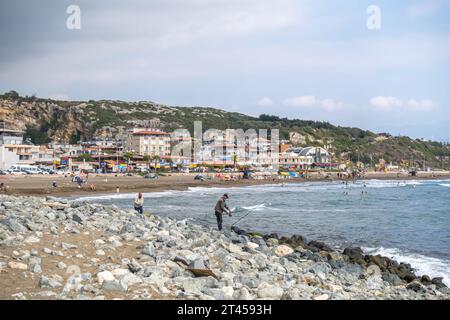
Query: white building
x=7, y=158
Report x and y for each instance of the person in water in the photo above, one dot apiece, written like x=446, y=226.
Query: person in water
x=139, y=203
x=220, y=208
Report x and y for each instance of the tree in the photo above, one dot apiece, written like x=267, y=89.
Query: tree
x=156, y=159
x=235, y=160
x=147, y=159
x=36, y=135
x=85, y=157
x=13, y=95
x=128, y=155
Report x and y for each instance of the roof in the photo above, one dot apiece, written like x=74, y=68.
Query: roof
x=306, y=151
x=150, y=133
x=11, y=131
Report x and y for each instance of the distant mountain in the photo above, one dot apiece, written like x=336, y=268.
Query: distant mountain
x=45, y=120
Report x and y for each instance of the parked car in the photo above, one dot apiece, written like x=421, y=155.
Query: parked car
x=16, y=172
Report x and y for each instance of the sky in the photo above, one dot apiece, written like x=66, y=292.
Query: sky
x=310, y=59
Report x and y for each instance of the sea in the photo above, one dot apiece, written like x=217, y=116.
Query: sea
x=408, y=221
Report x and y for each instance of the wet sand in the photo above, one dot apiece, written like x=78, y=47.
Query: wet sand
x=108, y=183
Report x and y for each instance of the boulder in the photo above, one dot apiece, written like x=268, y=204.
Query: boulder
x=438, y=282
x=283, y=250
x=321, y=269
x=426, y=280
x=79, y=217
x=45, y=282
x=17, y=265
x=271, y=292
x=373, y=269
x=374, y=282
x=114, y=285
x=148, y=249
x=319, y=245
x=416, y=286
x=197, y=264
x=14, y=225
x=105, y=276
x=393, y=279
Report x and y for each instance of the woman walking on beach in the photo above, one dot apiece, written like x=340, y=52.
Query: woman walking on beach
x=139, y=203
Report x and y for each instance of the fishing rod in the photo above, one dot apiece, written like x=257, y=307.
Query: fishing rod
x=249, y=211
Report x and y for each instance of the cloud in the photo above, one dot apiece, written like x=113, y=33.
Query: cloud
x=420, y=105
x=312, y=101
x=393, y=103
x=302, y=101
x=385, y=103
x=264, y=102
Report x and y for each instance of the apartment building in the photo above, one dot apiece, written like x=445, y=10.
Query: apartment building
x=148, y=142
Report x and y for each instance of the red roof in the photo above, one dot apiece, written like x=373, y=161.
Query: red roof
x=150, y=133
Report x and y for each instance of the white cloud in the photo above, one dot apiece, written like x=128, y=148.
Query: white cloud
x=302, y=101
x=386, y=103
x=264, y=102
x=420, y=105
x=312, y=101
x=393, y=103
x=332, y=105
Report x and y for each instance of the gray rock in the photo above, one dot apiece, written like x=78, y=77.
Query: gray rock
x=148, y=249
x=114, y=285
x=393, y=279
x=181, y=259
x=34, y=265
x=67, y=246
x=134, y=266
x=416, y=286
x=79, y=217
x=374, y=282
x=197, y=264
x=270, y=292
x=14, y=225
x=321, y=269
x=45, y=282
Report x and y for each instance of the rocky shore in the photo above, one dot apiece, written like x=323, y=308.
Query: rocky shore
x=53, y=248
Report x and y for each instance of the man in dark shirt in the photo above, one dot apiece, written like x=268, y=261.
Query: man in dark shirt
x=220, y=208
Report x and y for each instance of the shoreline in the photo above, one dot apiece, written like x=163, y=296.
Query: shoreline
x=107, y=184
x=119, y=255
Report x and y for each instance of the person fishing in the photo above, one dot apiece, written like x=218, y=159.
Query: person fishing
x=139, y=203
x=220, y=208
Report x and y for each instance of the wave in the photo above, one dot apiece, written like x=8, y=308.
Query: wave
x=445, y=185
x=430, y=266
x=258, y=207
x=113, y=196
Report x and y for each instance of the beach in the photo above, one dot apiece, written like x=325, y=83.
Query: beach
x=41, y=185
x=52, y=248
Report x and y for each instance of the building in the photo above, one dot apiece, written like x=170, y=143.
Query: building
x=8, y=136
x=7, y=158
x=319, y=155
x=148, y=142
x=292, y=159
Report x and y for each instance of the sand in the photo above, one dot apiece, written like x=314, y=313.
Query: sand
x=41, y=185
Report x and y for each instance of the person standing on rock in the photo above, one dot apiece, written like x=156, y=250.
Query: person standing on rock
x=139, y=203
x=220, y=208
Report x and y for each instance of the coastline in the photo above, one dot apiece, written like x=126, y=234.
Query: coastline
x=114, y=253
x=107, y=184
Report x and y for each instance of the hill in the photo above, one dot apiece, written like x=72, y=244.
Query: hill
x=46, y=120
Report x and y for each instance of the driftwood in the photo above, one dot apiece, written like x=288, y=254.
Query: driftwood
x=202, y=272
